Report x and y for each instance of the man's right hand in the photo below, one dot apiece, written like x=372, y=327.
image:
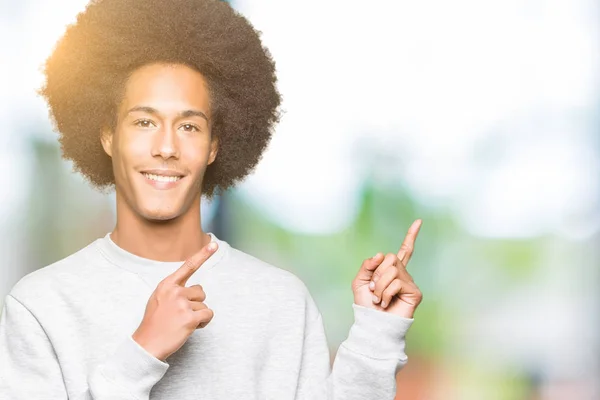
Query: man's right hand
x=175, y=311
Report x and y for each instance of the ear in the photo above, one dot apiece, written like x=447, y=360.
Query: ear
x=214, y=149
x=106, y=139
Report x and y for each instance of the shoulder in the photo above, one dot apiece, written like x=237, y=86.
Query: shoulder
x=54, y=278
x=278, y=290
x=266, y=274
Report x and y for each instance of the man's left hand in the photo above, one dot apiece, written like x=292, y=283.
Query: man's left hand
x=383, y=283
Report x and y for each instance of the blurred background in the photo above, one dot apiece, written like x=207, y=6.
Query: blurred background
x=479, y=117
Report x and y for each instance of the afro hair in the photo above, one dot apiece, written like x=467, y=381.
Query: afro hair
x=86, y=73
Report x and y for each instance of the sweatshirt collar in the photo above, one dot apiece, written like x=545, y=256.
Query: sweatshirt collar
x=145, y=266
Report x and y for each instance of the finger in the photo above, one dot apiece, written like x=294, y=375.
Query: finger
x=183, y=273
x=365, y=273
x=406, y=250
x=194, y=293
x=393, y=289
x=404, y=275
x=388, y=277
x=197, y=306
x=203, y=317
x=389, y=260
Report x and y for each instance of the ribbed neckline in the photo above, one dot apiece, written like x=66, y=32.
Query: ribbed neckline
x=145, y=266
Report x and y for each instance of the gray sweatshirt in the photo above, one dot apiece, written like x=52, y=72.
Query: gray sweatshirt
x=65, y=333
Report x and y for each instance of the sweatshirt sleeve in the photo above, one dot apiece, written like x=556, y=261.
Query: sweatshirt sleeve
x=366, y=363
x=29, y=368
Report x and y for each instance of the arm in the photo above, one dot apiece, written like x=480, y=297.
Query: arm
x=385, y=299
x=29, y=368
x=366, y=363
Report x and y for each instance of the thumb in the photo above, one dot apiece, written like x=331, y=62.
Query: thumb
x=368, y=267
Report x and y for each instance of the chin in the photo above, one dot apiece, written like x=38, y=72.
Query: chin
x=161, y=206
x=158, y=215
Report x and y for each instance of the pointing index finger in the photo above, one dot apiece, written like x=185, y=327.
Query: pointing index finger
x=192, y=264
x=406, y=250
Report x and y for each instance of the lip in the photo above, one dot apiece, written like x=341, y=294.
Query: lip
x=162, y=185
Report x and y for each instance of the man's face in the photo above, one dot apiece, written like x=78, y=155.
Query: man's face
x=162, y=142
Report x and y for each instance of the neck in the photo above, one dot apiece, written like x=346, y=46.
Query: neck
x=168, y=241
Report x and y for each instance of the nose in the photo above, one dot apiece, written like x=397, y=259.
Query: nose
x=166, y=144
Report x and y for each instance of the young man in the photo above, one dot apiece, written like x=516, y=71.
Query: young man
x=165, y=101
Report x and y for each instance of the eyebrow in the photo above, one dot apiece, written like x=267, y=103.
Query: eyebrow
x=182, y=114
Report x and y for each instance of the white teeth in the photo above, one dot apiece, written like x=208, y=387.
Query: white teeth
x=160, y=178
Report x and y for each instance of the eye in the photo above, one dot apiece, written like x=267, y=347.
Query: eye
x=144, y=123
x=190, y=128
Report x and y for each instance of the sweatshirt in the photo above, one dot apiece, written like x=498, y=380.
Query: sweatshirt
x=66, y=333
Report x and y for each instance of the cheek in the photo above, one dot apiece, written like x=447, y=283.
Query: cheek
x=132, y=147
x=195, y=154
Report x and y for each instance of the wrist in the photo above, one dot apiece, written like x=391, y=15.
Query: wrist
x=406, y=311
x=146, y=344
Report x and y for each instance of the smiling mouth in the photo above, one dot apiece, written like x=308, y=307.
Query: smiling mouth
x=161, y=178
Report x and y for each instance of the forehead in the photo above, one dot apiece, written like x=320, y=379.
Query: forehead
x=167, y=88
